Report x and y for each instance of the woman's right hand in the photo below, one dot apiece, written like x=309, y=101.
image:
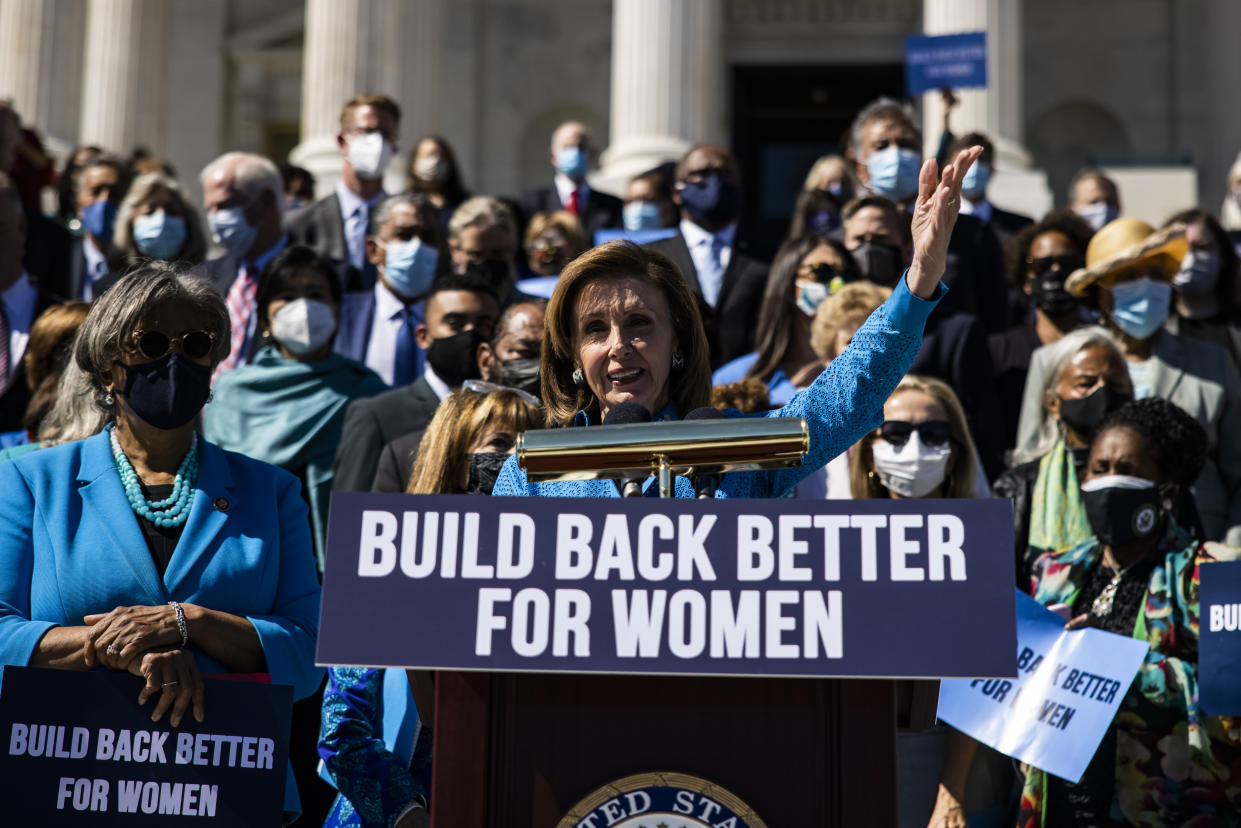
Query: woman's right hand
x=173, y=676
x=948, y=812
x=934, y=216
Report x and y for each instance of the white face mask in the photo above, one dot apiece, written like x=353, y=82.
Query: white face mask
x=431, y=168
x=911, y=470
x=303, y=325
x=369, y=153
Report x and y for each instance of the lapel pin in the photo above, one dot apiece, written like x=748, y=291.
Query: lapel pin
x=221, y=503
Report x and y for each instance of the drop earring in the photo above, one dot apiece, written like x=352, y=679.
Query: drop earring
x=578, y=379
x=107, y=399
x=678, y=361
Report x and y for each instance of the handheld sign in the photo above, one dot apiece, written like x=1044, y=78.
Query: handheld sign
x=1219, y=638
x=958, y=61
x=714, y=587
x=1068, y=689
x=80, y=751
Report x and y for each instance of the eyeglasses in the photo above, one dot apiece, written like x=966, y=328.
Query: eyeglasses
x=1067, y=262
x=155, y=344
x=484, y=387
x=933, y=433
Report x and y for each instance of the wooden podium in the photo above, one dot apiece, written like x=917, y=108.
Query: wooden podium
x=520, y=749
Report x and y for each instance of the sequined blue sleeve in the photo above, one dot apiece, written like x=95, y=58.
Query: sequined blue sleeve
x=375, y=781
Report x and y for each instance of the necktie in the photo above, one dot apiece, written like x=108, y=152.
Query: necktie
x=356, y=242
x=240, y=301
x=4, y=351
x=713, y=279
x=572, y=205
x=404, y=362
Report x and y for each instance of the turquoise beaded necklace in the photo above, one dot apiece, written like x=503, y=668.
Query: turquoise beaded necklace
x=174, y=509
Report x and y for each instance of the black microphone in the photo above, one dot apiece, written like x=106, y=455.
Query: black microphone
x=706, y=484
x=624, y=414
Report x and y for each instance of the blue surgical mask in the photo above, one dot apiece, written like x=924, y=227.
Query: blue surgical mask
x=230, y=229
x=572, y=161
x=409, y=267
x=99, y=219
x=641, y=215
x=1099, y=214
x=894, y=172
x=159, y=235
x=1140, y=307
x=810, y=295
x=974, y=182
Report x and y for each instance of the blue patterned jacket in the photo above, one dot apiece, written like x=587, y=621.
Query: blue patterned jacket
x=840, y=407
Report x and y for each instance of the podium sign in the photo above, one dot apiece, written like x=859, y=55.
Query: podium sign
x=711, y=587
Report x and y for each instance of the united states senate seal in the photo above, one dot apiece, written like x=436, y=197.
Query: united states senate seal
x=661, y=800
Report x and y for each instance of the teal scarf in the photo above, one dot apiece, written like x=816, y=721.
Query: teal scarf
x=290, y=414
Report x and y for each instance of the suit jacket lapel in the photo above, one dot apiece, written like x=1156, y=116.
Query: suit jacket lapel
x=104, y=505
x=334, y=229
x=678, y=251
x=1167, y=365
x=215, y=484
x=731, y=274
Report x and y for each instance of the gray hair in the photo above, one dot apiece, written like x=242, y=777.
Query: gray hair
x=118, y=313
x=885, y=108
x=481, y=210
x=1059, y=353
x=384, y=211
x=140, y=191
x=252, y=174
x=75, y=415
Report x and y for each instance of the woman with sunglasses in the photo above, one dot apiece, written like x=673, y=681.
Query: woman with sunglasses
x=145, y=548
x=286, y=406
x=624, y=326
x=806, y=271
x=375, y=749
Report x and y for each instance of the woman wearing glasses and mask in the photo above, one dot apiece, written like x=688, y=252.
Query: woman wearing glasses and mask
x=145, y=548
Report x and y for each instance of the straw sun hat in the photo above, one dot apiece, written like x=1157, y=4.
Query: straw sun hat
x=1126, y=243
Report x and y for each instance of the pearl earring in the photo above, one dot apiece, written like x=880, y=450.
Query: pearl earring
x=578, y=379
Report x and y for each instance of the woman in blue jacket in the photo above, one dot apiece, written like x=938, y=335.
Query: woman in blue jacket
x=145, y=548
x=623, y=326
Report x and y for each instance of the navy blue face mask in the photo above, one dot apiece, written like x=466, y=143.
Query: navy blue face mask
x=711, y=199
x=168, y=392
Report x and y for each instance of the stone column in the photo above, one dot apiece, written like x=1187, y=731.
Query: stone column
x=667, y=83
x=356, y=47
x=125, y=76
x=995, y=111
x=41, y=65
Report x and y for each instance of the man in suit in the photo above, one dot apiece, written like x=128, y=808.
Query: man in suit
x=242, y=194
x=483, y=233
x=461, y=312
x=102, y=184
x=974, y=200
x=21, y=302
x=337, y=226
x=728, y=283
x=49, y=246
x=886, y=147
x=572, y=153
x=377, y=326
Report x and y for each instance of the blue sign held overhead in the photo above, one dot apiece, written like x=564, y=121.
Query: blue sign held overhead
x=958, y=61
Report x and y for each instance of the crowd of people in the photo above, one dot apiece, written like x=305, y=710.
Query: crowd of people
x=173, y=373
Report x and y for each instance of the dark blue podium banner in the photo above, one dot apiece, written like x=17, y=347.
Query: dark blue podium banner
x=80, y=751
x=643, y=585
x=1219, y=638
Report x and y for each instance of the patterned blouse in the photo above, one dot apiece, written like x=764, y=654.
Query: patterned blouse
x=840, y=407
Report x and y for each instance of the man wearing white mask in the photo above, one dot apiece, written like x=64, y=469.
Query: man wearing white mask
x=377, y=326
x=243, y=195
x=337, y=226
x=1094, y=197
x=571, y=156
x=886, y=149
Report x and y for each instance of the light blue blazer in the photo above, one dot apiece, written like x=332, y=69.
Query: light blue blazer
x=70, y=545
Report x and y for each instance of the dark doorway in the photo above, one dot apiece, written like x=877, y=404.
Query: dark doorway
x=784, y=117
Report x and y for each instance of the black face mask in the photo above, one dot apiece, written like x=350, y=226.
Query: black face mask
x=1047, y=293
x=1123, y=516
x=711, y=199
x=1086, y=414
x=455, y=358
x=879, y=262
x=484, y=471
x=168, y=392
x=521, y=373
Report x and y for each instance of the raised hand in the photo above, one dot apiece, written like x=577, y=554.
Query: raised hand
x=934, y=216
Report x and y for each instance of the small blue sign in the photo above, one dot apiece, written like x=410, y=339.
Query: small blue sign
x=82, y=752
x=957, y=61
x=655, y=234
x=1219, y=638
x=641, y=585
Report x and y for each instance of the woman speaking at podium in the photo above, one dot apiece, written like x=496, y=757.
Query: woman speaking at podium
x=623, y=326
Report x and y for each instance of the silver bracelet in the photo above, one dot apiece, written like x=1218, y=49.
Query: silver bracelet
x=182, y=627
